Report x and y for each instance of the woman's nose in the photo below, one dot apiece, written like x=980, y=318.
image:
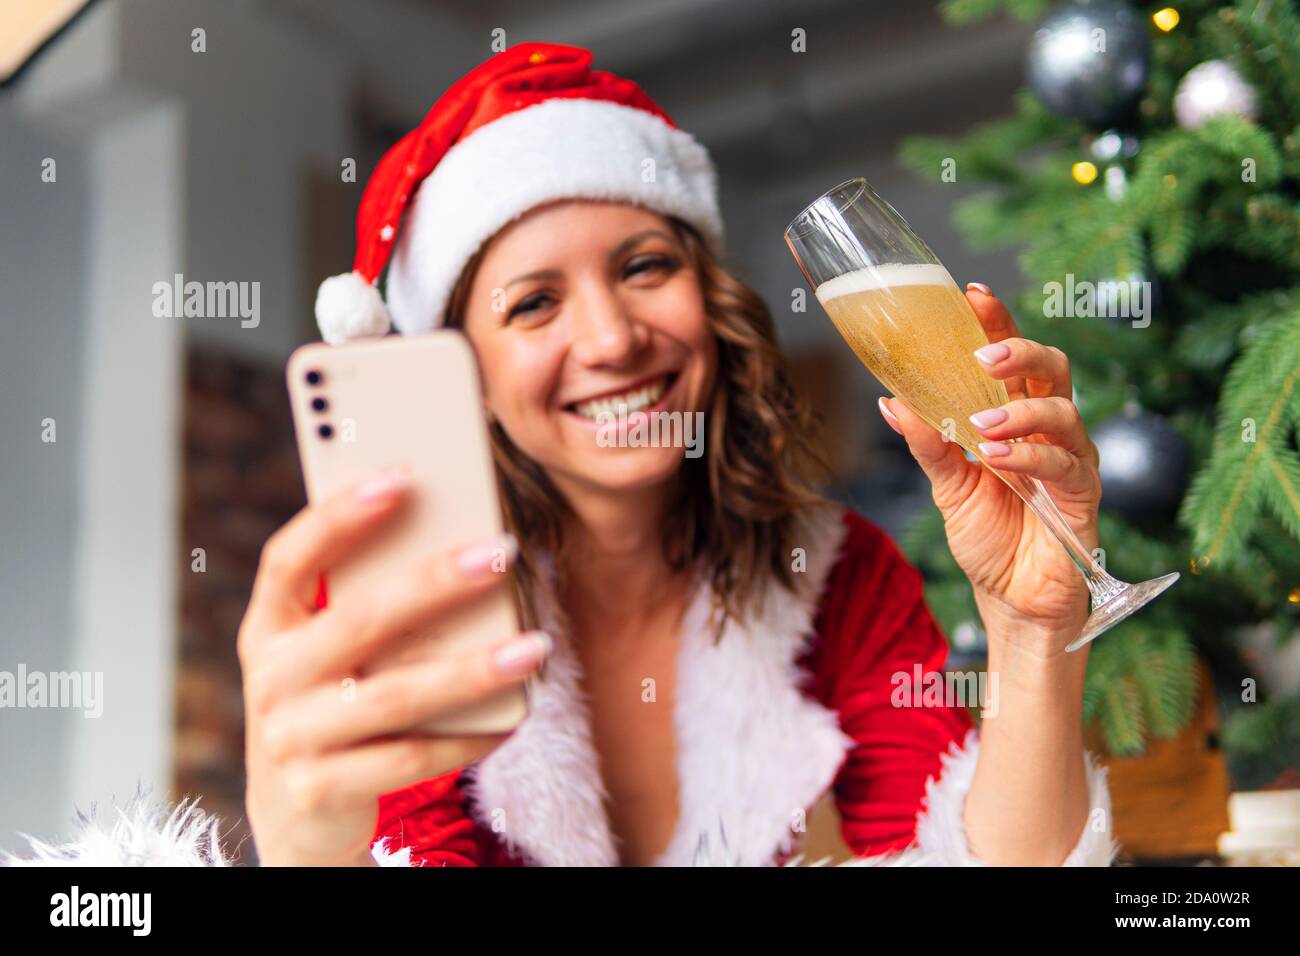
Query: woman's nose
x=606, y=332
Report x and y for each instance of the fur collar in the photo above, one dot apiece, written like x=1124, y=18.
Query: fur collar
x=753, y=750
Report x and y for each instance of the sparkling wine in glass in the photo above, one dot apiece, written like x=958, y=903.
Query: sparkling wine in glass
x=909, y=323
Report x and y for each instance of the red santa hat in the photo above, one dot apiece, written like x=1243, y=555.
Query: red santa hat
x=531, y=125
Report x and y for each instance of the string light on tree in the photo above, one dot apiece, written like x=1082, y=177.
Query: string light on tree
x=1116, y=182
x=1112, y=145
x=1165, y=19
x=1113, y=148
x=1084, y=172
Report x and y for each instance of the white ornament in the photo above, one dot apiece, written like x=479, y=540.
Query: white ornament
x=1213, y=89
x=349, y=307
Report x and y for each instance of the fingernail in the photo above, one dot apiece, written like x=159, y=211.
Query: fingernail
x=524, y=653
x=989, y=417
x=994, y=449
x=889, y=416
x=383, y=485
x=981, y=286
x=494, y=554
x=993, y=354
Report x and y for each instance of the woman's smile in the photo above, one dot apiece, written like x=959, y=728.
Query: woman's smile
x=649, y=394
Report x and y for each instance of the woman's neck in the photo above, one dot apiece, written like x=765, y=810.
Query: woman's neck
x=614, y=563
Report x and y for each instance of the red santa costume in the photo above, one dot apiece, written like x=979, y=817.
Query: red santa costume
x=794, y=699
x=792, y=703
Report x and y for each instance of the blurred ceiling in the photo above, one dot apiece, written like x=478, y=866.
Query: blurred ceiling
x=716, y=65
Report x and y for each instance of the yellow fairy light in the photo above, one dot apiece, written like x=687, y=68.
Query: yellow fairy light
x=1294, y=596
x=1166, y=19
x=1084, y=172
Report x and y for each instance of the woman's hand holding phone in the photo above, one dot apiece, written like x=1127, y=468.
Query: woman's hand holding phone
x=322, y=744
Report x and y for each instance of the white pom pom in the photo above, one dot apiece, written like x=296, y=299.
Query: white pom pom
x=349, y=307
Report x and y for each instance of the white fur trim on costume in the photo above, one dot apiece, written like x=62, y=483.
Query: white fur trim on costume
x=143, y=834
x=541, y=790
x=557, y=149
x=941, y=827
x=349, y=307
x=383, y=856
x=753, y=750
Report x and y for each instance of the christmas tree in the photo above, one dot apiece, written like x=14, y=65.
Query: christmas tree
x=1150, y=181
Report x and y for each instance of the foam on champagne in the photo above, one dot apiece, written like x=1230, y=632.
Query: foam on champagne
x=914, y=329
x=884, y=277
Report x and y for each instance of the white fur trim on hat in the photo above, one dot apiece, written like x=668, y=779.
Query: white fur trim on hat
x=557, y=149
x=349, y=307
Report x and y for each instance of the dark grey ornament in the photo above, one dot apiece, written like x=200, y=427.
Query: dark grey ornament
x=1090, y=61
x=1144, y=465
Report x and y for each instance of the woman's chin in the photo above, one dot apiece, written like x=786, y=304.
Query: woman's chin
x=626, y=469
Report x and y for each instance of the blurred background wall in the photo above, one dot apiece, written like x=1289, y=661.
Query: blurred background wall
x=130, y=540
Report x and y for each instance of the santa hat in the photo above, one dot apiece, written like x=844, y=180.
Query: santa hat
x=531, y=125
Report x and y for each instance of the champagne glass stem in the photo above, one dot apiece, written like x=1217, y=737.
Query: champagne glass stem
x=1113, y=600
x=1101, y=585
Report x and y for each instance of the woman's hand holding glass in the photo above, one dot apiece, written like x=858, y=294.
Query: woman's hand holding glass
x=1025, y=583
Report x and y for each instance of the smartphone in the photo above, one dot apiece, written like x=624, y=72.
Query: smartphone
x=372, y=404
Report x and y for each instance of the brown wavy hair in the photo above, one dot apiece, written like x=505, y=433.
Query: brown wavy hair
x=736, y=505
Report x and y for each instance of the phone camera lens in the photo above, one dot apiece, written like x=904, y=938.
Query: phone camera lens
x=313, y=377
x=326, y=431
x=319, y=404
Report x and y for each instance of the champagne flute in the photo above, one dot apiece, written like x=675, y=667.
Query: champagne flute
x=898, y=308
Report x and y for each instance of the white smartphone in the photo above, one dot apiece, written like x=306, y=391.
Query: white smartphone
x=372, y=404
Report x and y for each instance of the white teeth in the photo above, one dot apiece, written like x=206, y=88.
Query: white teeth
x=624, y=404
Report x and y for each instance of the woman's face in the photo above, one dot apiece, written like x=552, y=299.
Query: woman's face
x=581, y=308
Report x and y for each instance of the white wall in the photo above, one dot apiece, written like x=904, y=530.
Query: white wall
x=168, y=161
x=40, y=377
x=264, y=102
x=88, y=585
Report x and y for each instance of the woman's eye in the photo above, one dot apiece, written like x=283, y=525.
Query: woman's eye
x=645, y=264
x=651, y=263
x=529, y=303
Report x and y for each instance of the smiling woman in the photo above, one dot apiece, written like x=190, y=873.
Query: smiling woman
x=725, y=640
x=637, y=315
x=721, y=644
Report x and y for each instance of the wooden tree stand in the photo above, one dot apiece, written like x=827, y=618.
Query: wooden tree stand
x=1171, y=803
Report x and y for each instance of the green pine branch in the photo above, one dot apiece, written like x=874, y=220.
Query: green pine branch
x=1268, y=726
x=1254, y=463
x=1214, y=215
x=1141, y=684
x=992, y=152
x=962, y=12
x=1261, y=38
